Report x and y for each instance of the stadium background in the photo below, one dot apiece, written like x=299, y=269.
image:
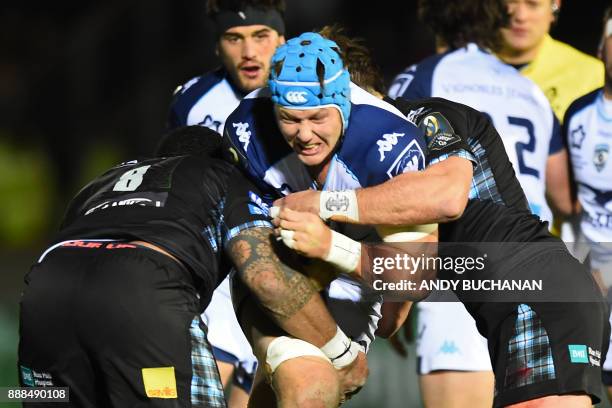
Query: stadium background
x=84, y=85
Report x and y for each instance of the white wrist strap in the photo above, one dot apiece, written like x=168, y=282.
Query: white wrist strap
x=344, y=253
x=341, y=350
x=285, y=348
x=342, y=204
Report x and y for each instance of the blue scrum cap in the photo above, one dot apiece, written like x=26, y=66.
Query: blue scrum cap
x=297, y=86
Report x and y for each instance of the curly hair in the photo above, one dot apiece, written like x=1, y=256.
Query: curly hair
x=215, y=6
x=458, y=22
x=356, y=57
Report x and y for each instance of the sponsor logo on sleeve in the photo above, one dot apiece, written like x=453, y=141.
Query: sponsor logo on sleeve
x=578, y=353
x=439, y=132
x=33, y=378
x=26, y=376
x=159, y=382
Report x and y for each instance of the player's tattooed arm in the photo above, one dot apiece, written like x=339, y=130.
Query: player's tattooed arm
x=288, y=296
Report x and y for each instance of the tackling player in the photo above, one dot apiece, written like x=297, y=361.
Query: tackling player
x=496, y=212
x=470, y=74
x=248, y=33
x=139, y=254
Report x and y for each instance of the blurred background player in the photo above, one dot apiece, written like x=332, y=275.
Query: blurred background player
x=588, y=132
x=248, y=33
x=561, y=71
x=470, y=74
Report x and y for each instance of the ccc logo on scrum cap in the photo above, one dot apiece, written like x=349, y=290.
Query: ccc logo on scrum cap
x=296, y=97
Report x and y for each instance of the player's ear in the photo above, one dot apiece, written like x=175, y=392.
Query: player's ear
x=281, y=39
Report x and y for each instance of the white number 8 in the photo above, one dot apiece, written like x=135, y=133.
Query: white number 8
x=130, y=180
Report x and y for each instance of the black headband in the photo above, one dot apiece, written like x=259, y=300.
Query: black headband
x=249, y=16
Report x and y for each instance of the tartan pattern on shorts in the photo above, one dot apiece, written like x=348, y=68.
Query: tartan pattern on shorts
x=529, y=357
x=206, y=387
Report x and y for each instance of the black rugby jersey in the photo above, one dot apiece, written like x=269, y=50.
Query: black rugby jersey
x=497, y=209
x=187, y=205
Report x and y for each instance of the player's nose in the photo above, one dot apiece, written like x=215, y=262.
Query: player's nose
x=304, y=133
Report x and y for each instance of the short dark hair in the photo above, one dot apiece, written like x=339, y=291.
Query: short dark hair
x=215, y=6
x=190, y=140
x=356, y=57
x=458, y=22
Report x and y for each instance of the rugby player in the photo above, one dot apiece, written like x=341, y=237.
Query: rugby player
x=561, y=71
x=279, y=171
x=496, y=212
x=587, y=130
x=468, y=73
x=112, y=308
x=248, y=32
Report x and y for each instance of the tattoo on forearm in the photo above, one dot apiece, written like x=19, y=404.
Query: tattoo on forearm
x=282, y=290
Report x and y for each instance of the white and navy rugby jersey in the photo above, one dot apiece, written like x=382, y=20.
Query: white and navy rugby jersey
x=518, y=108
x=205, y=100
x=588, y=132
x=379, y=143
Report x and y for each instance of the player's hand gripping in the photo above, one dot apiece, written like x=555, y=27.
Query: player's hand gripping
x=304, y=201
x=304, y=232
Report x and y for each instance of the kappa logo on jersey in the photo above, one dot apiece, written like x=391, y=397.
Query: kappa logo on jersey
x=413, y=115
x=577, y=137
x=386, y=143
x=411, y=159
x=296, y=97
x=243, y=133
x=600, y=156
x=448, y=347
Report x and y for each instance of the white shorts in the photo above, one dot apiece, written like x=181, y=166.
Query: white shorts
x=224, y=332
x=448, y=339
x=355, y=308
